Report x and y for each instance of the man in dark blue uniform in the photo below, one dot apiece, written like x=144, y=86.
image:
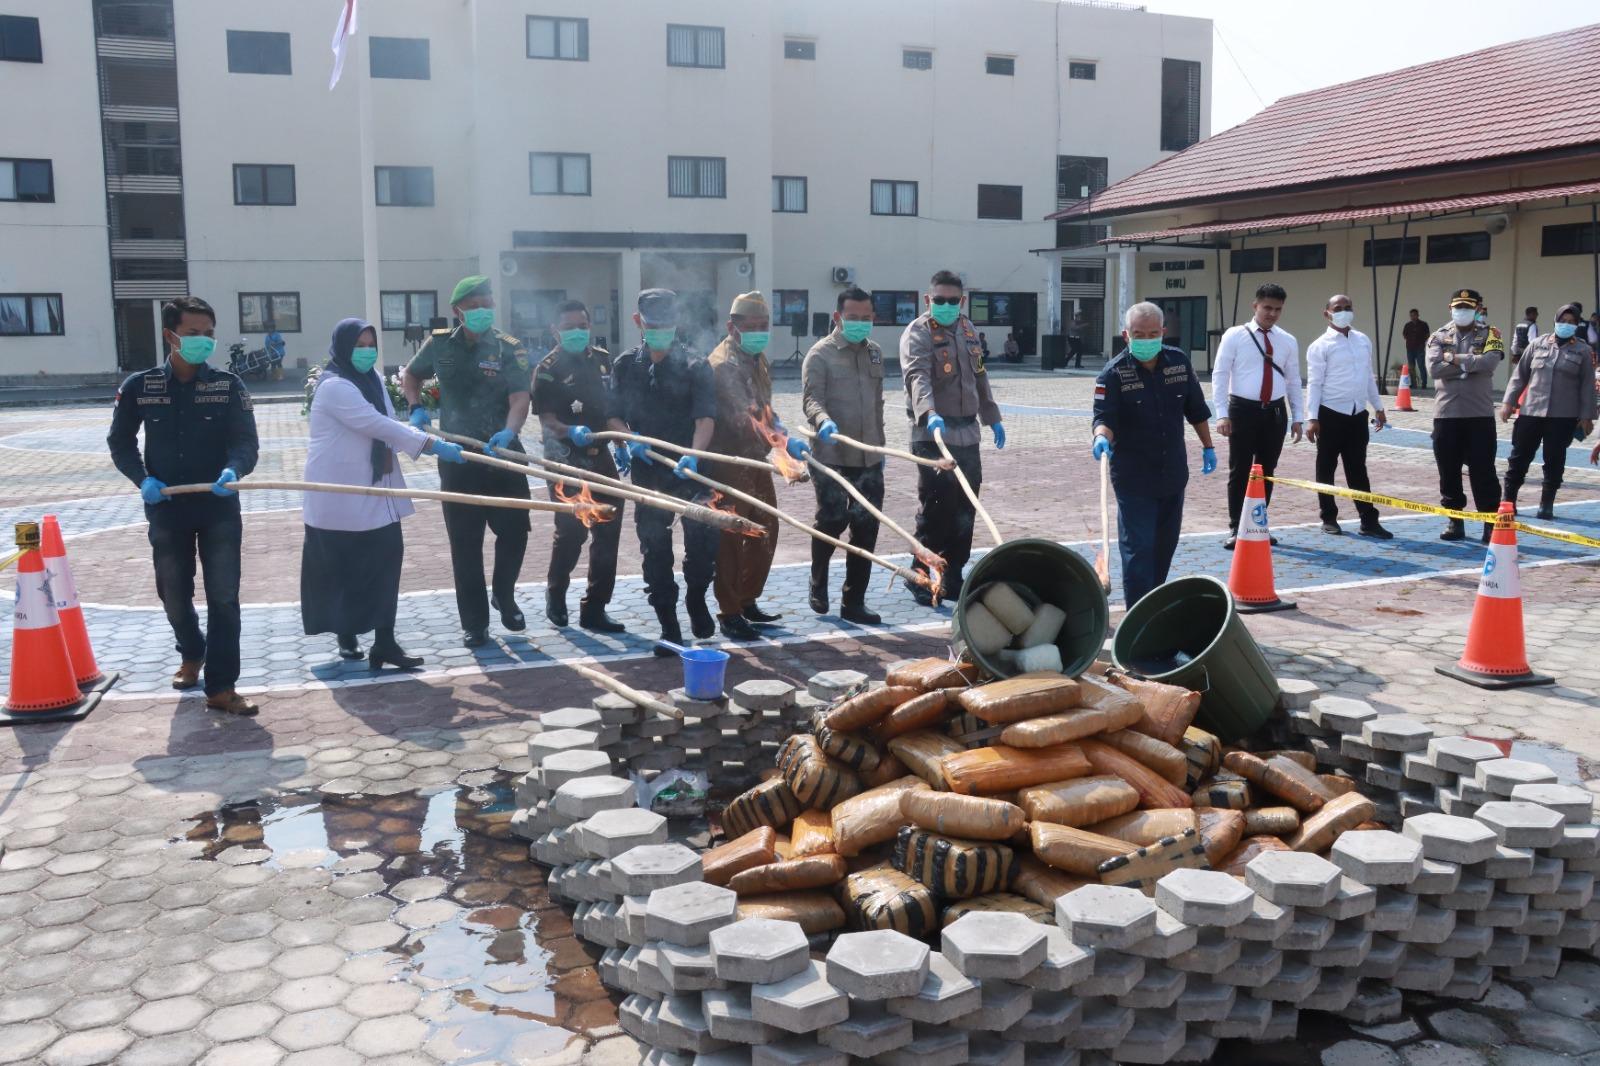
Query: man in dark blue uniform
x=1141, y=400
x=199, y=426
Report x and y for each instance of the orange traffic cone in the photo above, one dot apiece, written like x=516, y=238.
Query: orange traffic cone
x=41, y=667
x=1402, y=396
x=1497, y=655
x=65, y=590
x=1250, y=579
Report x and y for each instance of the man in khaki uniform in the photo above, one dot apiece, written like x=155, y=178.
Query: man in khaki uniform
x=841, y=385
x=1462, y=358
x=1551, y=392
x=946, y=389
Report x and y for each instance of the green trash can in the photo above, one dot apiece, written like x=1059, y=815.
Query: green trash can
x=1043, y=571
x=1188, y=632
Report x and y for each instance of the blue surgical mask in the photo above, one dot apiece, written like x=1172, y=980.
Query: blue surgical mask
x=754, y=341
x=1566, y=330
x=856, y=332
x=364, y=359
x=196, y=350
x=661, y=339
x=1463, y=316
x=479, y=319
x=574, y=340
x=1145, y=349
x=945, y=314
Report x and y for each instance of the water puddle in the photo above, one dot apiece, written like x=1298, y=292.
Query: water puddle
x=503, y=977
x=1568, y=767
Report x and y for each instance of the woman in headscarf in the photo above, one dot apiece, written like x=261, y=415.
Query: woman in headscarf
x=350, y=566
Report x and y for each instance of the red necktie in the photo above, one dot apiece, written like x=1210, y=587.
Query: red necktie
x=1266, y=370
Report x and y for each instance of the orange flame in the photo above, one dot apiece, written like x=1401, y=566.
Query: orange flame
x=719, y=502
x=586, y=508
x=778, y=441
x=935, y=576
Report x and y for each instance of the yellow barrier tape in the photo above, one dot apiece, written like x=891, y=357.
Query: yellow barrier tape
x=1428, y=508
x=8, y=560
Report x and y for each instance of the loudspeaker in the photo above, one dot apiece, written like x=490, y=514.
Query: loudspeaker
x=821, y=323
x=1052, y=351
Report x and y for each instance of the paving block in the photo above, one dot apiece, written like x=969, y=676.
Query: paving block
x=1205, y=897
x=543, y=745
x=1546, y=877
x=1502, y=776
x=1509, y=949
x=1258, y=963
x=1377, y=857
x=831, y=684
x=1114, y=975
x=759, y=951
x=1393, y=910
x=681, y=1025
x=1170, y=939
x=1267, y=921
x=1104, y=916
x=1467, y=942
x=1295, y=980
x=1430, y=925
x=1416, y=767
x=999, y=945
x=1353, y=747
x=930, y=1046
x=870, y=1030
x=1247, y=1020
x=1506, y=863
x=946, y=994
x=584, y=718
x=1436, y=878
x=1293, y=878
x=1461, y=755
x=1050, y=1017
x=1154, y=1037
x=1574, y=804
x=1388, y=778
x=795, y=1051
x=1393, y=732
x=1347, y=947
x=802, y=1003
x=1373, y=1003
x=1579, y=934
x=1503, y=910
x=986, y=1049
x=687, y=913
x=1542, y=922
x=610, y=833
x=1204, y=1000
x=1423, y=971
x=1215, y=950
x=765, y=695
x=1351, y=901
x=585, y=797
x=1523, y=824
x=1342, y=714
x=1334, y=992
x=1470, y=981
x=687, y=969
x=1198, y=1048
x=1103, y=1025
x=1159, y=988
x=1307, y=932
x=1471, y=894
x=1002, y=1005
x=1451, y=839
x=728, y=1014
x=1297, y=693
x=1474, y=793
x=1383, y=959
x=641, y=870
x=1572, y=894
x=1064, y=965
x=878, y=964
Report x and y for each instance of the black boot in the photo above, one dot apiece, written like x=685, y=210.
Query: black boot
x=857, y=612
x=670, y=631
x=701, y=623
x=386, y=652
x=820, y=553
x=511, y=615
x=734, y=627
x=595, y=619
x=1455, y=530
x=1547, y=503
x=754, y=613
x=1488, y=531
x=555, y=608
x=349, y=646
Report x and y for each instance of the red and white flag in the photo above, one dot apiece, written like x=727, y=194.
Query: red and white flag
x=342, y=33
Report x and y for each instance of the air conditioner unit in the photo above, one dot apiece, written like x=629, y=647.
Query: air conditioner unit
x=844, y=275
x=508, y=267
x=1496, y=223
x=745, y=268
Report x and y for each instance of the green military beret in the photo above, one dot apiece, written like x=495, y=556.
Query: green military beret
x=466, y=288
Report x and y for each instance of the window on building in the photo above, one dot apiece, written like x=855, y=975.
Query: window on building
x=1006, y=66
x=697, y=176
x=1079, y=177
x=256, y=309
x=1391, y=251
x=29, y=314
x=258, y=52
x=1303, y=257
x=402, y=309
x=399, y=57
x=29, y=181
x=991, y=308
x=558, y=38
x=791, y=308
x=19, y=43
x=1000, y=201
x=405, y=186
x=894, y=307
x=1572, y=238
x=1250, y=261
x=1081, y=71
x=894, y=197
x=1180, y=104
x=695, y=46
x=916, y=59
x=1458, y=247
x=558, y=173
x=789, y=195
x=263, y=184
x=1077, y=235
x=793, y=49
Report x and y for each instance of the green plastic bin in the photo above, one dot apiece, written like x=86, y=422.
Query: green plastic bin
x=1044, y=572
x=1188, y=632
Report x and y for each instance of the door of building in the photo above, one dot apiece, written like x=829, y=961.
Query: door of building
x=1186, y=321
x=138, y=346
x=1019, y=311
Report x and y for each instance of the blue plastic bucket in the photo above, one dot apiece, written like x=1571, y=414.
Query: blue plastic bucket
x=703, y=670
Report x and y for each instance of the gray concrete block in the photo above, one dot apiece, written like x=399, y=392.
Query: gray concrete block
x=1542, y=922
x=998, y=945
x=1502, y=776
x=1377, y=857
x=1295, y=980
x=1572, y=894
x=1002, y=1005
x=1522, y=824
x=1546, y=877
x=1158, y=989
x=584, y=797
x=870, y=1030
x=1103, y=916
x=1393, y=732
x=930, y=1046
x=1353, y=747
x=1467, y=942
x=1257, y=964
x=1574, y=804
x=610, y=833
x=1436, y=878
x=1267, y=922
x=1247, y=1020
x=1388, y=778
x=1451, y=839
x=543, y=745
x=1204, y=1000
x=1347, y=947
x=831, y=684
x=1422, y=971
x=1064, y=965
x=1417, y=768
x=584, y=718
x=1293, y=878
x=1334, y=992
x=1342, y=714
x=1506, y=863
x=1297, y=693
x=1205, y=897
x=728, y=1015
x=1307, y=932
x=1470, y=981
x=1352, y=900
x=1393, y=910
x=759, y=950
x=681, y=1025
x=878, y=964
x=1198, y=1048
x=1102, y=1026
x=1154, y=1037
x=1214, y=952
x=986, y=1049
x=734, y=1055
x=1503, y=910
x=1170, y=939
x=1509, y=949
x=945, y=994
x=1430, y=925
x=1114, y=975
x=1373, y=1003
x=1471, y=894
x=765, y=695
x=641, y=870
x=687, y=913
x=1383, y=959
x=802, y=1003
x=796, y=1051
x=1461, y=755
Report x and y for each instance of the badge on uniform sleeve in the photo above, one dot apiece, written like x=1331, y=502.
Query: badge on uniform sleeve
x=1099, y=391
x=577, y=407
x=948, y=368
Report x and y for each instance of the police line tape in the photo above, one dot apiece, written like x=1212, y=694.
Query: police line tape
x=1427, y=508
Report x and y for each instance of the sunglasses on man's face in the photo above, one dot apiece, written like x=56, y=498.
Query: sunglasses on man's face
x=953, y=300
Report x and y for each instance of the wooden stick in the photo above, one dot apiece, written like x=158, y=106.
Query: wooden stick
x=876, y=449
x=928, y=558
x=910, y=576
x=633, y=695
x=602, y=512
x=1102, y=565
x=966, y=486
x=736, y=460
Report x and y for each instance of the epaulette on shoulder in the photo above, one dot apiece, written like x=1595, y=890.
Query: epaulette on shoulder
x=443, y=331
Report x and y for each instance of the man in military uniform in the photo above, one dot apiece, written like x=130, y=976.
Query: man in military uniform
x=1141, y=400
x=1462, y=358
x=199, y=425
x=1551, y=392
x=841, y=387
x=663, y=391
x=946, y=389
x=483, y=393
x=572, y=397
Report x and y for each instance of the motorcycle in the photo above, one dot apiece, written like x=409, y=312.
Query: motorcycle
x=257, y=364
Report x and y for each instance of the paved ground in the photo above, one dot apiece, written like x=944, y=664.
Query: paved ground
x=331, y=883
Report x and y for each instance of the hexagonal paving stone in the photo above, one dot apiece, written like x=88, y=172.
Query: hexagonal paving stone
x=764, y=695
x=1378, y=857
x=1502, y=776
x=1293, y=879
x=1203, y=897
x=1342, y=714
x=1447, y=838
x=870, y=1030
x=1064, y=965
x=240, y=1022
x=313, y=1028
x=641, y=870
x=583, y=797
x=1461, y=755
x=831, y=684
x=1104, y=916
x=310, y=961
x=168, y=1016
x=387, y=1036
x=258, y=1052
x=182, y=980
x=584, y=718
x=381, y=1000
x=1522, y=825
x=759, y=950
x=875, y=965
x=309, y=993
x=548, y=743
x=802, y=1003
x=88, y=1048
x=999, y=945
x=1393, y=732
x=564, y=766
x=1575, y=804
x=610, y=833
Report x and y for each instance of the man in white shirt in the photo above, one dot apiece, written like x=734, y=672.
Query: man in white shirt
x=1256, y=386
x=1341, y=386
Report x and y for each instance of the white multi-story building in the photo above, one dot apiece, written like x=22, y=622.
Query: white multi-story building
x=571, y=148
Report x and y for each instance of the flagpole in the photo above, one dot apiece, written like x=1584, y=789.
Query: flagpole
x=369, y=193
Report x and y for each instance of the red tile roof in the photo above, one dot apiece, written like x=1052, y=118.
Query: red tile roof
x=1533, y=95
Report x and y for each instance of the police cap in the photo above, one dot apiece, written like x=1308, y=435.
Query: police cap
x=658, y=305
x=1466, y=297
x=1570, y=309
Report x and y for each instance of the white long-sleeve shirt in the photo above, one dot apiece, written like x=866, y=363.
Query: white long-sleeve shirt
x=1339, y=369
x=343, y=427
x=1240, y=365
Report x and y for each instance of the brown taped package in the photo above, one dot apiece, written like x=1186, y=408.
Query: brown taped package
x=882, y=897
x=1160, y=756
x=1098, y=692
x=889, y=768
x=1041, y=883
x=1271, y=821
x=1140, y=828
x=811, y=833
x=1203, y=751
x=1317, y=833
x=1143, y=867
x=850, y=750
x=865, y=709
x=923, y=753
x=1030, y=695
x=1304, y=759
x=791, y=875
x=1001, y=903
x=1069, y=725
x=1154, y=790
x=1220, y=832
x=1287, y=780
x=1079, y=802
x=933, y=673
x=816, y=780
x=755, y=848
x=1168, y=709
x=871, y=818
x=954, y=869
x=1337, y=785
x=814, y=912
x=1227, y=795
x=971, y=817
x=1074, y=850
x=986, y=771
x=919, y=712
x=1236, y=860
x=769, y=803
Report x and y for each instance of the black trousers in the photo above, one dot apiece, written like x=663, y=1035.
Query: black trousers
x=837, y=511
x=207, y=527
x=570, y=535
x=1469, y=442
x=1147, y=538
x=944, y=514
x=654, y=529
x=1417, y=360
x=1343, y=439
x=1528, y=434
x=465, y=524
x=1257, y=438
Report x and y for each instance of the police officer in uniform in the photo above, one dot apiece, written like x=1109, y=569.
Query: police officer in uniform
x=1141, y=400
x=483, y=393
x=947, y=389
x=572, y=397
x=199, y=425
x=1551, y=392
x=1462, y=358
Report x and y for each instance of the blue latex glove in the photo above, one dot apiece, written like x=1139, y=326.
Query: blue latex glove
x=688, y=462
x=797, y=449
x=935, y=422
x=503, y=439
x=638, y=451
x=826, y=431
x=1208, y=460
x=150, y=489
x=619, y=455
x=420, y=417
x=582, y=436
x=1102, y=448
x=999, y=435
x=222, y=480
x=446, y=452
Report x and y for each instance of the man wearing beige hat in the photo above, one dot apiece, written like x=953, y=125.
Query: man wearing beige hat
x=743, y=382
